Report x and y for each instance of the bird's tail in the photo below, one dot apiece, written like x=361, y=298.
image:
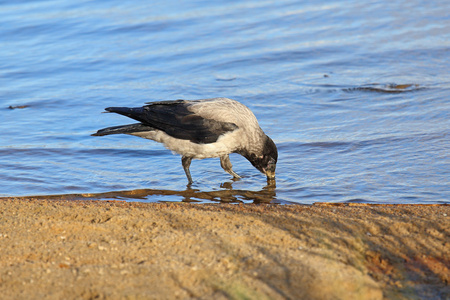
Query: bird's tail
x=125, y=129
x=136, y=113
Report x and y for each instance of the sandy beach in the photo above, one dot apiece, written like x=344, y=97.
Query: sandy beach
x=117, y=250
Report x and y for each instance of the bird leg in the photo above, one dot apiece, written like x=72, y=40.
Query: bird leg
x=226, y=165
x=186, y=162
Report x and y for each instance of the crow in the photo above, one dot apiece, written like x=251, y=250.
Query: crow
x=198, y=129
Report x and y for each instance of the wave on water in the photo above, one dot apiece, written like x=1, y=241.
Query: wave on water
x=387, y=88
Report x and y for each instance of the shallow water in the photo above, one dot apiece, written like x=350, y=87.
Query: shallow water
x=354, y=94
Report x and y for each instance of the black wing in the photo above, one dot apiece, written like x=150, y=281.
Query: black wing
x=174, y=118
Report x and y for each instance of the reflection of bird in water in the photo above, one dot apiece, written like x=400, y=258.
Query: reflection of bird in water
x=200, y=129
x=226, y=195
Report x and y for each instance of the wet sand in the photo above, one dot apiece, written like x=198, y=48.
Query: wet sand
x=116, y=250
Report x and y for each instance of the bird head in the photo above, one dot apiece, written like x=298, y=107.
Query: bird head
x=267, y=161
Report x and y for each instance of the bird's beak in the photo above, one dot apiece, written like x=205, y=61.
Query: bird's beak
x=270, y=175
x=270, y=170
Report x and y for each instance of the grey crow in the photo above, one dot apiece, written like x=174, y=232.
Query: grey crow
x=199, y=129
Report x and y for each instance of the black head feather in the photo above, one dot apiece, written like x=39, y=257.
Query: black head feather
x=265, y=163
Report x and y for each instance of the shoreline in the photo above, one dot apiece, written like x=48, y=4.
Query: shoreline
x=85, y=249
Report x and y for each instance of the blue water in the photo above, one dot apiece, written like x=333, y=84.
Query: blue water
x=355, y=94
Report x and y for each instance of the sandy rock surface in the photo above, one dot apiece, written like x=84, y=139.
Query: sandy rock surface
x=116, y=250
